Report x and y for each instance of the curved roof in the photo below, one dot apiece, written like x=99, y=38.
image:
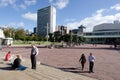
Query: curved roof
x=106, y=27
x=2, y=34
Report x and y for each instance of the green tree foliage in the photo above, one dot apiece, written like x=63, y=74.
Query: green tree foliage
x=51, y=37
x=66, y=37
x=57, y=36
x=20, y=34
x=9, y=32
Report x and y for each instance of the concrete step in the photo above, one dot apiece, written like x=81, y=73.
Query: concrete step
x=55, y=74
x=42, y=72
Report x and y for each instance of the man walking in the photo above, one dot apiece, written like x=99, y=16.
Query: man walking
x=34, y=53
x=91, y=62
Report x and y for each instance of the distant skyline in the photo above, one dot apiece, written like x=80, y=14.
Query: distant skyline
x=72, y=13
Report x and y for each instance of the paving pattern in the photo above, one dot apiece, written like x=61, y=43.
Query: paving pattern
x=107, y=66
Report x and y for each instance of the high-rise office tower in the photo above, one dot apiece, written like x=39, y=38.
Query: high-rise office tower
x=46, y=21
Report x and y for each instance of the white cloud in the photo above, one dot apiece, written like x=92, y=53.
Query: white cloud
x=17, y=4
x=27, y=3
x=60, y=4
x=70, y=20
x=100, y=11
x=15, y=24
x=50, y=1
x=22, y=6
x=21, y=24
x=116, y=7
x=90, y=22
x=95, y=19
x=4, y=3
x=73, y=25
x=30, y=16
x=30, y=2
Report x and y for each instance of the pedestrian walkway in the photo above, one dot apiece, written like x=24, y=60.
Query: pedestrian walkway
x=41, y=73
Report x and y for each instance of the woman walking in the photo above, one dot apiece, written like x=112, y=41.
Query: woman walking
x=82, y=60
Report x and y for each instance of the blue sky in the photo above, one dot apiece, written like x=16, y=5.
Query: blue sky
x=72, y=13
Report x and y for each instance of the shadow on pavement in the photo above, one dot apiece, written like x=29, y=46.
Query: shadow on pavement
x=6, y=68
x=21, y=68
x=73, y=70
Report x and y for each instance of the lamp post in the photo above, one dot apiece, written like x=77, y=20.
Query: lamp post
x=71, y=38
x=47, y=32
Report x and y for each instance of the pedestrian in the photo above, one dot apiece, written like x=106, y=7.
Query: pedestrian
x=82, y=60
x=91, y=59
x=17, y=62
x=34, y=53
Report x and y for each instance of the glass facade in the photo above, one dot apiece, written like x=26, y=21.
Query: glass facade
x=104, y=34
x=46, y=21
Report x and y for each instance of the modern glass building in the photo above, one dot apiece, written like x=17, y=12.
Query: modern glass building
x=106, y=33
x=46, y=21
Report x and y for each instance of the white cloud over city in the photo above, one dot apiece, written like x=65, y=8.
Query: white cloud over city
x=97, y=18
x=116, y=7
x=60, y=4
x=30, y=16
x=27, y=3
x=14, y=3
x=17, y=24
x=4, y=3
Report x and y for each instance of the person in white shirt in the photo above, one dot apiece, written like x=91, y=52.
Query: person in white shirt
x=91, y=59
x=34, y=53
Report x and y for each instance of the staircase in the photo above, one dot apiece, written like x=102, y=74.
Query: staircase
x=41, y=73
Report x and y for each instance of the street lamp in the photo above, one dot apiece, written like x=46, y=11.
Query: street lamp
x=47, y=32
x=71, y=38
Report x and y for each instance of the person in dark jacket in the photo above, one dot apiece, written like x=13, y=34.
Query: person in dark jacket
x=17, y=62
x=82, y=60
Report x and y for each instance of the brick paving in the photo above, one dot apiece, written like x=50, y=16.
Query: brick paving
x=107, y=66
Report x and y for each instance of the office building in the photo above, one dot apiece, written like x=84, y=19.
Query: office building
x=106, y=33
x=46, y=21
x=35, y=30
x=63, y=29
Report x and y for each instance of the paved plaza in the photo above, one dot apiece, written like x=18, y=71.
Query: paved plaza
x=107, y=66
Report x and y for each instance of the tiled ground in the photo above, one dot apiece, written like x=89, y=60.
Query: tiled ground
x=107, y=65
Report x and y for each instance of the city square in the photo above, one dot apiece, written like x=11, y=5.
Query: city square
x=67, y=59
x=61, y=31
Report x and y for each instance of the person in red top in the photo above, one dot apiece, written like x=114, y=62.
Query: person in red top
x=8, y=56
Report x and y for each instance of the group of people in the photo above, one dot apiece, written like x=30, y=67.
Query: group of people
x=91, y=60
x=17, y=61
x=34, y=52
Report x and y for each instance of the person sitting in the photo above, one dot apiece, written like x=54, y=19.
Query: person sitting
x=17, y=62
x=8, y=56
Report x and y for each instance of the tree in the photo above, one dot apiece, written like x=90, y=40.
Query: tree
x=51, y=37
x=57, y=36
x=66, y=38
x=9, y=32
x=20, y=34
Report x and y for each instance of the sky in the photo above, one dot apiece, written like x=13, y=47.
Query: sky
x=71, y=13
